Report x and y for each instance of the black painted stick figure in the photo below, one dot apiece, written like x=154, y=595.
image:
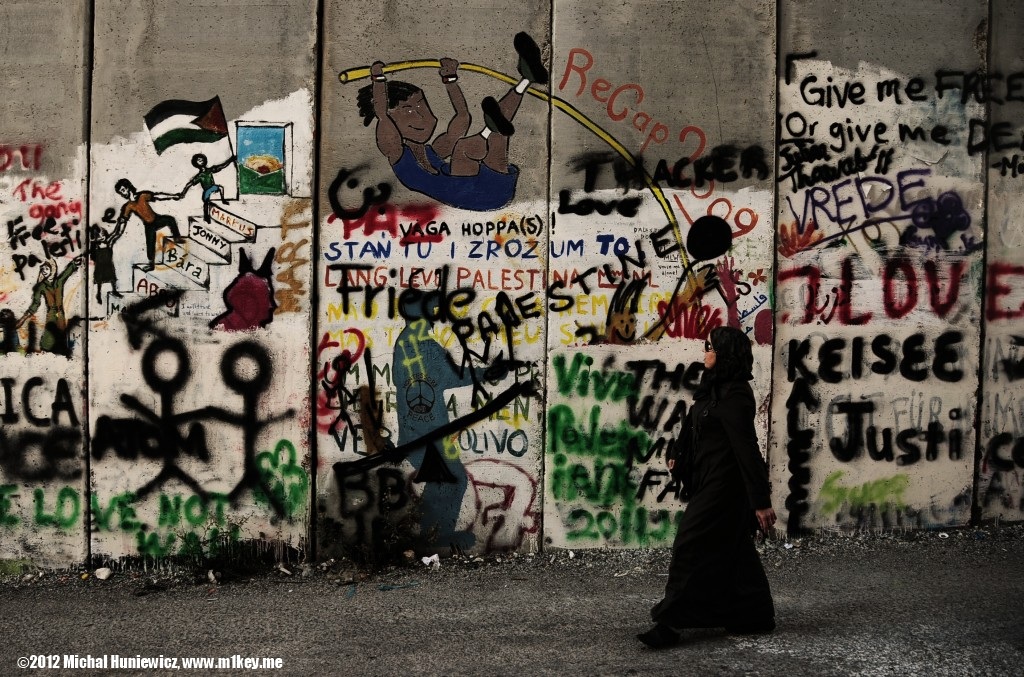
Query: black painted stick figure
x=157, y=435
x=250, y=386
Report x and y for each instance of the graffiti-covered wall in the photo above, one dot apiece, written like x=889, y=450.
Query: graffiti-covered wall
x=880, y=228
x=356, y=277
x=156, y=347
x=1000, y=432
x=43, y=176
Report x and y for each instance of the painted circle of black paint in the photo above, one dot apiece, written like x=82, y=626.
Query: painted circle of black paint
x=153, y=379
x=709, y=237
x=240, y=351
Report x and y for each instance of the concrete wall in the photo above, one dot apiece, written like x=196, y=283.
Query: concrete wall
x=621, y=345
x=335, y=355
x=43, y=176
x=881, y=246
x=1000, y=494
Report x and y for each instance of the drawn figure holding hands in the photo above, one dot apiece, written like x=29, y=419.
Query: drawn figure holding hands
x=204, y=178
x=138, y=204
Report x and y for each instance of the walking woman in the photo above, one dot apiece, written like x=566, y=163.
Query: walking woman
x=715, y=577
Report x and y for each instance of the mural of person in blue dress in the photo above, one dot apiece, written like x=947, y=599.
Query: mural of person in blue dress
x=467, y=172
x=423, y=370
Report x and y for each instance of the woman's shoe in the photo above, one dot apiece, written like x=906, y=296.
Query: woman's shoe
x=660, y=637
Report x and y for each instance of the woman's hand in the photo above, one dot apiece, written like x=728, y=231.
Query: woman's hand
x=765, y=519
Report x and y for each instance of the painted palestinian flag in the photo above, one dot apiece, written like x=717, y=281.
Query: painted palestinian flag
x=179, y=121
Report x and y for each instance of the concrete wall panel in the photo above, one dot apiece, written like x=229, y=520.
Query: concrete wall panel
x=661, y=183
x=200, y=310
x=431, y=317
x=881, y=228
x=42, y=188
x=1001, y=462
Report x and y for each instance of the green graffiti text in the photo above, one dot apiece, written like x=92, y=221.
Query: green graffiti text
x=566, y=436
x=119, y=506
x=627, y=526
x=6, y=518
x=580, y=381
x=195, y=509
x=888, y=490
x=65, y=512
x=601, y=484
x=286, y=480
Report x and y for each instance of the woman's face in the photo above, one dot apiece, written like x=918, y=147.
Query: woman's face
x=709, y=354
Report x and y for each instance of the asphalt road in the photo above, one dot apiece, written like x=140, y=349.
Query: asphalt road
x=914, y=604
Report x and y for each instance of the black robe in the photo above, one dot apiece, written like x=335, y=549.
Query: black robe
x=716, y=578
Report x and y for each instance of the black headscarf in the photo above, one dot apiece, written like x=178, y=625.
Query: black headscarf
x=734, y=360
